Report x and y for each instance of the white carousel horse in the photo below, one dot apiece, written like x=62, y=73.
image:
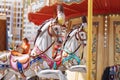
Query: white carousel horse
x=8, y=65
x=43, y=44
x=4, y=55
x=75, y=39
x=44, y=41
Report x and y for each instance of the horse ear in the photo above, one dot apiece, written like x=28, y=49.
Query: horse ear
x=55, y=20
x=60, y=8
x=84, y=20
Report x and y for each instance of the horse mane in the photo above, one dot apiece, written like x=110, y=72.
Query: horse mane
x=68, y=35
x=41, y=26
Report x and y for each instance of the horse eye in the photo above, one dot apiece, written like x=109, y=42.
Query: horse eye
x=82, y=34
x=56, y=29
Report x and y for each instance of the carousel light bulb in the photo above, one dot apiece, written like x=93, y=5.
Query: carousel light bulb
x=105, y=41
x=105, y=29
x=105, y=25
x=105, y=37
x=113, y=15
x=105, y=33
x=105, y=45
x=106, y=17
x=105, y=21
x=99, y=16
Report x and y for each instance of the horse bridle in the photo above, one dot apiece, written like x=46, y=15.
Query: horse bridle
x=54, y=34
x=51, y=36
x=79, y=38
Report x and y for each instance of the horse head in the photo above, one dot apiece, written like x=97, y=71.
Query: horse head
x=50, y=29
x=82, y=36
x=4, y=56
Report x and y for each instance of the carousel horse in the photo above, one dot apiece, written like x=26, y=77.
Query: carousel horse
x=4, y=55
x=9, y=68
x=75, y=39
x=44, y=41
x=48, y=34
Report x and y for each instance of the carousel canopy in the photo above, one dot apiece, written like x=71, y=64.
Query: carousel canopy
x=73, y=10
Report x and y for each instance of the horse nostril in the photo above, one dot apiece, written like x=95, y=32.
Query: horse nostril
x=85, y=43
x=33, y=54
x=59, y=40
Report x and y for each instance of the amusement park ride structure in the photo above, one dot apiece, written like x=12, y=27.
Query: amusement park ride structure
x=86, y=7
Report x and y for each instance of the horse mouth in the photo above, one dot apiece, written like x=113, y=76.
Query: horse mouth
x=4, y=59
x=33, y=55
x=59, y=40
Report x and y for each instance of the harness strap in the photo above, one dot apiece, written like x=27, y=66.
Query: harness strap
x=66, y=50
x=70, y=57
x=49, y=61
x=77, y=48
x=4, y=66
x=44, y=50
x=80, y=45
x=35, y=60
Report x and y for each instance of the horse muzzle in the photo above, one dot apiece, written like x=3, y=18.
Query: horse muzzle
x=33, y=54
x=60, y=40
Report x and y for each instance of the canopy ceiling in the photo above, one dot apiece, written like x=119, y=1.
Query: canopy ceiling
x=76, y=10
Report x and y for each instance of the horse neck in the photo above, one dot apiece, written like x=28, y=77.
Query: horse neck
x=44, y=39
x=71, y=44
x=43, y=42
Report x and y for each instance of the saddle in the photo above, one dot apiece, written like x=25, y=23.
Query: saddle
x=18, y=56
x=22, y=59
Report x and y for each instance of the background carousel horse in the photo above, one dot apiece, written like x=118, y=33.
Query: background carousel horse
x=4, y=55
x=43, y=47
x=8, y=66
x=71, y=57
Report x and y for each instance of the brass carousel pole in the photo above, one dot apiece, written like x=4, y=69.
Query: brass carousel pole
x=89, y=42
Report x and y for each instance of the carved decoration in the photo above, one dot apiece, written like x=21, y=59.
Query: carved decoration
x=117, y=41
x=94, y=48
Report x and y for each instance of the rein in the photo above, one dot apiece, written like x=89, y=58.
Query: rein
x=52, y=34
x=48, y=47
x=79, y=38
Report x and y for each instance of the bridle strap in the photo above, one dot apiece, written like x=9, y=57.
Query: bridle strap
x=68, y=37
x=66, y=41
x=48, y=47
x=79, y=38
x=80, y=44
x=54, y=34
x=77, y=48
x=49, y=31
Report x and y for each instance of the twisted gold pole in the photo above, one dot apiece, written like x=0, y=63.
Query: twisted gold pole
x=89, y=42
